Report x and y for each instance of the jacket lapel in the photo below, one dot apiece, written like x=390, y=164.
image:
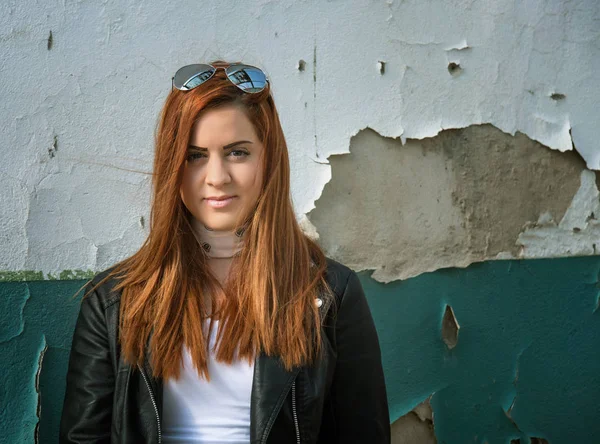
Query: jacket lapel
x=156, y=384
x=270, y=386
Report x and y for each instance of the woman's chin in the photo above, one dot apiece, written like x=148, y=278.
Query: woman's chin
x=220, y=225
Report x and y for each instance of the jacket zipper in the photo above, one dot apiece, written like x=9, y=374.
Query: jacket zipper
x=153, y=403
x=294, y=413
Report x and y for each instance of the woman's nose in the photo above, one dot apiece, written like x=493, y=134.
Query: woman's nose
x=216, y=172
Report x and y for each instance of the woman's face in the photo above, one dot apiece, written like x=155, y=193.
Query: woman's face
x=223, y=174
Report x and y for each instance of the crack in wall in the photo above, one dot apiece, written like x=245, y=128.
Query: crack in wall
x=508, y=412
x=37, y=388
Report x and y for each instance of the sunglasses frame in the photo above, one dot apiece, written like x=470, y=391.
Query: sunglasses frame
x=227, y=74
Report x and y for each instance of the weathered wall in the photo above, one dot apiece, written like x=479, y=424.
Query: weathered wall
x=436, y=146
x=82, y=83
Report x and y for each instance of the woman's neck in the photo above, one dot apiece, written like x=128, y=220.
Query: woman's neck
x=220, y=246
x=220, y=268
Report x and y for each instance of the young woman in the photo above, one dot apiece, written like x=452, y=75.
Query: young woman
x=229, y=325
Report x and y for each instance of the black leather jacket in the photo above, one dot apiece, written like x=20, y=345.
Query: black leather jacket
x=340, y=399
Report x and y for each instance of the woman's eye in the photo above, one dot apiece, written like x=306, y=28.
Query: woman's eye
x=238, y=153
x=191, y=157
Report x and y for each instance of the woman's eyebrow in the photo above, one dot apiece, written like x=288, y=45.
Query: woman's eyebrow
x=226, y=147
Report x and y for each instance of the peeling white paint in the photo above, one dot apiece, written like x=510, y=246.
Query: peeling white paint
x=578, y=232
x=99, y=87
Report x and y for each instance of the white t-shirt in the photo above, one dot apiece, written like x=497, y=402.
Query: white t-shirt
x=215, y=412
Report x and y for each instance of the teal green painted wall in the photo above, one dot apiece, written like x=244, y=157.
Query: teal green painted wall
x=533, y=318
x=34, y=315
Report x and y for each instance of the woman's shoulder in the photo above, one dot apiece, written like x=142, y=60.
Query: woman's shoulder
x=101, y=288
x=337, y=276
x=351, y=304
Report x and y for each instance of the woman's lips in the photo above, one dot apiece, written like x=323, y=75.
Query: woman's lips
x=219, y=203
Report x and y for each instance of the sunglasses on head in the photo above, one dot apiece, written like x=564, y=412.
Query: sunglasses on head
x=248, y=78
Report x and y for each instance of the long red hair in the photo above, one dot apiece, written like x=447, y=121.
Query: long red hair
x=269, y=302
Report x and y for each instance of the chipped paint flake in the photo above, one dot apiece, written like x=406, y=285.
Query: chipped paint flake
x=416, y=426
x=450, y=328
x=577, y=233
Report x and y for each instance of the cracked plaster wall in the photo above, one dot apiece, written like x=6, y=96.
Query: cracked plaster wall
x=82, y=83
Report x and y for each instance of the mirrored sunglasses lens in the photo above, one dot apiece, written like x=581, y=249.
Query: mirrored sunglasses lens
x=190, y=76
x=247, y=78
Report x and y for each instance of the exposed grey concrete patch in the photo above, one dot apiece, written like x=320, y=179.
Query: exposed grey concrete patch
x=450, y=328
x=577, y=233
x=374, y=213
x=447, y=201
x=424, y=411
x=415, y=427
